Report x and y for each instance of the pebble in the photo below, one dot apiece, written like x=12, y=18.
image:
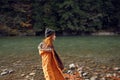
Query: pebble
x=88, y=73
x=85, y=74
x=80, y=73
x=108, y=75
x=116, y=68
x=94, y=78
x=6, y=71
x=22, y=75
x=3, y=70
x=72, y=66
x=3, y=73
x=114, y=74
x=119, y=72
x=32, y=74
x=10, y=71
x=80, y=68
x=27, y=76
x=69, y=71
x=103, y=78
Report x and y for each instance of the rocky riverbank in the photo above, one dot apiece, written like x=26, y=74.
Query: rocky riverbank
x=79, y=68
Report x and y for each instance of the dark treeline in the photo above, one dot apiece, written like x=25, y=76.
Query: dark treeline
x=65, y=16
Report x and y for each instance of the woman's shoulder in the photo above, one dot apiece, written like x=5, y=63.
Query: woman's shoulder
x=41, y=45
x=44, y=47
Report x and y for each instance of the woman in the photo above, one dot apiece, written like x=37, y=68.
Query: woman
x=51, y=63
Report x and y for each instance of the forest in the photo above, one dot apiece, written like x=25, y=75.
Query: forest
x=67, y=17
x=78, y=24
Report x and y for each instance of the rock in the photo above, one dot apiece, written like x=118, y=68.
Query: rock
x=4, y=70
x=103, y=67
x=108, y=75
x=80, y=68
x=116, y=69
x=103, y=78
x=69, y=72
x=72, y=66
x=10, y=71
x=32, y=79
x=1, y=66
x=4, y=73
x=22, y=75
x=32, y=74
x=93, y=78
x=118, y=72
x=80, y=73
x=85, y=74
x=27, y=77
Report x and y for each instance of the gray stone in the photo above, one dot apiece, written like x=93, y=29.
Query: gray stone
x=72, y=66
x=10, y=71
x=85, y=74
x=32, y=74
x=93, y=78
x=69, y=71
x=4, y=73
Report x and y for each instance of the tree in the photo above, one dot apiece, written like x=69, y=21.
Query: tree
x=67, y=16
